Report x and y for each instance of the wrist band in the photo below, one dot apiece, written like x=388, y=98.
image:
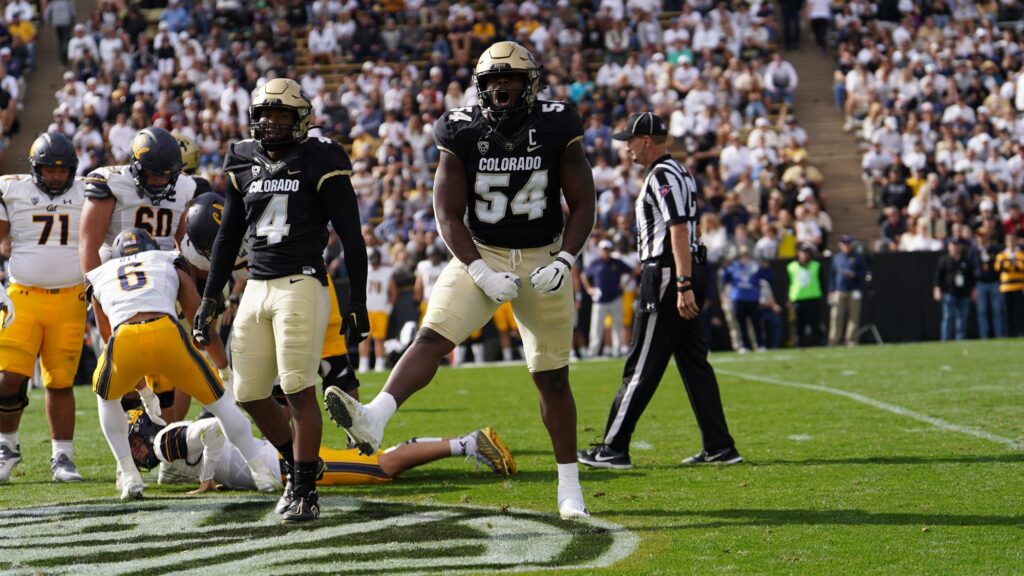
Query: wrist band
x=684, y=289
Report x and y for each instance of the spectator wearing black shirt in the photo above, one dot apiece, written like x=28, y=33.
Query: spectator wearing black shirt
x=954, y=288
x=991, y=307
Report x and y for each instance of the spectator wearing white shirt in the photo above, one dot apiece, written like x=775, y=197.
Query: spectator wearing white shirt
x=18, y=8
x=235, y=94
x=120, y=138
x=321, y=43
x=80, y=43
x=312, y=82
x=735, y=159
x=780, y=79
x=684, y=76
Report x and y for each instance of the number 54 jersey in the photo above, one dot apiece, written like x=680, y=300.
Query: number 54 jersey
x=44, y=232
x=515, y=193
x=283, y=208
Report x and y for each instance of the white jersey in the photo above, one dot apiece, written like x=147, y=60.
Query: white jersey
x=144, y=282
x=212, y=456
x=378, y=281
x=133, y=209
x=428, y=274
x=44, y=232
x=200, y=262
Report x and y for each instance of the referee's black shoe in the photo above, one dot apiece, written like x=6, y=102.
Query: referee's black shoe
x=604, y=456
x=726, y=456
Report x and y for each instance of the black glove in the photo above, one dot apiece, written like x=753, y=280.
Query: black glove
x=356, y=326
x=204, y=317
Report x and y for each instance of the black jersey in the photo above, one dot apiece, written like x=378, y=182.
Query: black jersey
x=285, y=214
x=515, y=187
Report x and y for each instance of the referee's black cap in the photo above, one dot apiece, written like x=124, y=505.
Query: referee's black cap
x=642, y=124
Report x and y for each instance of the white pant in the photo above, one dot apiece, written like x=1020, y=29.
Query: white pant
x=598, y=312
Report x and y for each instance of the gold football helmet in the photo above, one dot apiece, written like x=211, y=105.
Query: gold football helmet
x=507, y=58
x=282, y=93
x=189, y=153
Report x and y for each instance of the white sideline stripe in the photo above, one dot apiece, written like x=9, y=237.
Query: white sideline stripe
x=898, y=410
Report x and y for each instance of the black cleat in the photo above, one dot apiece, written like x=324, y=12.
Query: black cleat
x=726, y=456
x=303, y=508
x=604, y=456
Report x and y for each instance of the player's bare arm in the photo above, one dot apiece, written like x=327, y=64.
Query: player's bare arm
x=451, y=191
x=189, y=298
x=343, y=212
x=96, y=216
x=577, y=179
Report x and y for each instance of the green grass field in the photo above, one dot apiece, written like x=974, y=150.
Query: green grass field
x=877, y=460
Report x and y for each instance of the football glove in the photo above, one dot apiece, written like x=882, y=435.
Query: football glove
x=204, y=317
x=547, y=279
x=151, y=404
x=498, y=286
x=356, y=326
x=7, y=306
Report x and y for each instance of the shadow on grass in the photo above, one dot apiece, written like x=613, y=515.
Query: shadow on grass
x=731, y=518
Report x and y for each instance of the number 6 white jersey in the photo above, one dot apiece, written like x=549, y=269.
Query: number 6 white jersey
x=133, y=209
x=143, y=282
x=44, y=232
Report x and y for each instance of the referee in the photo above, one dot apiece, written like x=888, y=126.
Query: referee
x=672, y=289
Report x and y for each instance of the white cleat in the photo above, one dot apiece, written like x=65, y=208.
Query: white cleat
x=357, y=421
x=10, y=456
x=62, y=469
x=573, y=509
x=131, y=487
x=265, y=480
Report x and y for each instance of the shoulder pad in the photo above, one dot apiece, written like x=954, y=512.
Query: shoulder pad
x=239, y=156
x=96, y=185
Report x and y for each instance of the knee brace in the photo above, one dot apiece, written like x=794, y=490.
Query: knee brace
x=337, y=371
x=15, y=403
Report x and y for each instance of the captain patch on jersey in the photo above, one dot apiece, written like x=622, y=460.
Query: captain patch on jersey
x=288, y=230
x=516, y=198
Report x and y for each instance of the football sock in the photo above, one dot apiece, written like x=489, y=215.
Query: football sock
x=115, y=428
x=235, y=426
x=287, y=452
x=383, y=407
x=478, y=353
x=61, y=447
x=506, y=354
x=568, y=480
x=305, y=478
x=11, y=439
x=463, y=445
x=364, y=364
x=379, y=366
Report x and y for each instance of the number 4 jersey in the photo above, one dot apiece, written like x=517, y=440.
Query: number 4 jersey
x=44, y=232
x=515, y=192
x=133, y=209
x=286, y=217
x=144, y=282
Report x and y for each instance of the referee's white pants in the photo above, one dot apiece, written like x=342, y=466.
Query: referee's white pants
x=598, y=312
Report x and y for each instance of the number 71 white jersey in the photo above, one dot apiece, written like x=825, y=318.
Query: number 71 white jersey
x=44, y=232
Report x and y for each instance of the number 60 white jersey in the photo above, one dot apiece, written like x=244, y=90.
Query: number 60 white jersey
x=133, y=209
x=44, y=232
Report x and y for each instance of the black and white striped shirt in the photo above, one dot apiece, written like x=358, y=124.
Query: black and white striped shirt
x=668, y=196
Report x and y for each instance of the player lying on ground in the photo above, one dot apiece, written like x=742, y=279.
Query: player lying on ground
x=198, y=452
x=135, y=293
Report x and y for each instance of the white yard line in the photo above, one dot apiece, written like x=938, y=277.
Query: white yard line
x=887, y=407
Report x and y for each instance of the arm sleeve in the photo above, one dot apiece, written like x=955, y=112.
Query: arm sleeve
x=228, y=241
x=209, y=433
x=343, y=212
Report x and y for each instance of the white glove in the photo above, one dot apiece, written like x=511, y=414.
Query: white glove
x=151, y=404
x=499, y=286
x=547, y=279
x=6, y=306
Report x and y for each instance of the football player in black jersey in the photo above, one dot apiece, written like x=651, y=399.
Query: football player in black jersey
x=190, y=162
x=504, y=167
x=283, y=188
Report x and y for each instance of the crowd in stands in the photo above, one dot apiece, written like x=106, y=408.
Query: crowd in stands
x=380, y=75
x=18, y=29
x=935, y=91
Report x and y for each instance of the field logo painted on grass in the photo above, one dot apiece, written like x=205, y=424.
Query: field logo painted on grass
x=244, y=535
